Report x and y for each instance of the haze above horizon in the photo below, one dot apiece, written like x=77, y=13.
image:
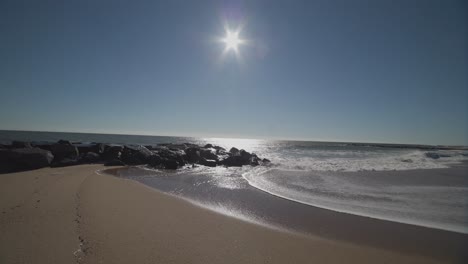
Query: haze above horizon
x=360, y=71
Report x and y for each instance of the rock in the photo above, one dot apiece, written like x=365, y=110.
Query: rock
x=170, y=164
x=220, y=150
x=135, y=155
x=208, y=162
x=192, y=155
x=114, y=162
x=167, y=154
x=91, y=157
x=176, y=147
x=20, y=144
x=432, y=155
x=154, y=160
x=233, y=161
x=65, y=162
x=208, y=154
x=266, y=161
x=43, y=145
x=90, y=147
x=112, y=152
x=234, y=151
x=21, y=159
x=245, y=155
x=208, y=146
x=64, y=149
x=407, y=160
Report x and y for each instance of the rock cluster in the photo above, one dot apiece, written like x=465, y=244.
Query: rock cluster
x=19, y=156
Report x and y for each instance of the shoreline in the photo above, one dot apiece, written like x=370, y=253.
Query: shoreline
x=271, y=210
x=51, y=213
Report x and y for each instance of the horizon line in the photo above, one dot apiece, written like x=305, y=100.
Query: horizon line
x=230, y=137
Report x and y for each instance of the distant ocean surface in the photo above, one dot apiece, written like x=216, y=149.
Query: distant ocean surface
x=362, y=179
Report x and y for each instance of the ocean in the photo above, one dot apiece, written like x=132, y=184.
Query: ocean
x=407, y=184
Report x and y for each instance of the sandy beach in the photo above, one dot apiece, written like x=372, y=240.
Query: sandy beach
x=74, y=215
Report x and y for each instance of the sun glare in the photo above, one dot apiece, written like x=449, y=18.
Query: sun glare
x=232, y=40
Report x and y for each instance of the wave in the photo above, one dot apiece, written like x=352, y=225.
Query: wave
x=368, y=161
x=440, y=207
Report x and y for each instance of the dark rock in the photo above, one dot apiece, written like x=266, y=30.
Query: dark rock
x=234, y=151
x=65, y=162
x=192, y=155
x=208, y=154
x=112, y=152
x=245, y=155
x=20, y=144
x=135, y=155
x=266, y=161
x=208, y=162
x=24, y=159
x=64, y=150
x=90, y=147
x=208, y=146
x=114, y=162
x=154, y=160
x=220, y=150
x=170, y=164
x=176, y=147
x=91, y=157
x=167, y=154
x=233, y=161
x=42, y=145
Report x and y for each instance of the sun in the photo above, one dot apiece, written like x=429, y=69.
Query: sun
x=232, y=40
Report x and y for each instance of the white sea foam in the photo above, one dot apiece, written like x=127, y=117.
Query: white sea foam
x=324, y=160
x=442, y=207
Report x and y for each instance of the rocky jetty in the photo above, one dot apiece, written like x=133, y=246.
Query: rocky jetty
x=19, y=156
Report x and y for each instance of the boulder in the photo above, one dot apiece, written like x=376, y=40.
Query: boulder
x=24, y=159
x=90, y=147
x=176, y=147
x=170, y=164
x=135, y=154
x=167, y=154
x=220, y=150
x=91, y=157
x=192, y=155
x=112, y=152
x=208, y=154
x=208, y=162
x=266, y=161
x=42, y=145
x=154, y=160
x=233, y=161
x=63, y=149
x=245, y=155
x=208, y=146
x=234, y=151
x=20, y=144
x=114, y=162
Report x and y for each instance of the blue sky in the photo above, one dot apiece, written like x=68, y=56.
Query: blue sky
x=372, y=71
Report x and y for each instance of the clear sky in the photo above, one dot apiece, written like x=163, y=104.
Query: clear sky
x=372, y=71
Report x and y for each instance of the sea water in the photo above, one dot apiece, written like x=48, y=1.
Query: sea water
x=402, y=183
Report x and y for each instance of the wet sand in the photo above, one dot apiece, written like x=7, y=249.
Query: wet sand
x=268, y=209
x=72, y=215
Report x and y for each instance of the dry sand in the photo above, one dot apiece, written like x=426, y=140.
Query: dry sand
x=73, y=215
